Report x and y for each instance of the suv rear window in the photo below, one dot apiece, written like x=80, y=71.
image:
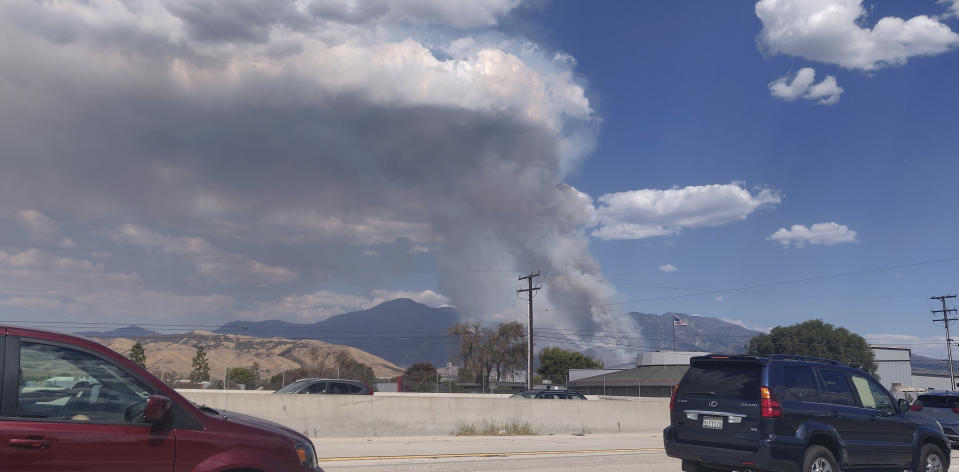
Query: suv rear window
x=938, y=401
x=723, y=380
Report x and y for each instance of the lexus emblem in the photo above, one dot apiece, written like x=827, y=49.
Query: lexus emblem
x=713, y=403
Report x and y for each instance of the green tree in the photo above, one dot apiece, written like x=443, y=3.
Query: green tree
x=554, y=363
x=340, y=365
x=138, y=356
x=420, y=377
x=348, y=368
x=255, y=369
x=201, y=366
x=241, y=376
x=483, y=351
x=818, y=339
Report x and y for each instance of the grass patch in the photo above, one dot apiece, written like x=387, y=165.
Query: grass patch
x=492, y=428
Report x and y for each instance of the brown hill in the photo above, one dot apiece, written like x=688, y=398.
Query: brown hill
x=172, y=355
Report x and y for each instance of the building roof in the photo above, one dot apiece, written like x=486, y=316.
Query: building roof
x=651, y=376
x=930, y=373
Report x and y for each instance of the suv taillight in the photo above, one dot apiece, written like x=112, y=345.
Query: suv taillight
x=770, y=404
x=672, y=398
x=917, y=407
x=956, y=410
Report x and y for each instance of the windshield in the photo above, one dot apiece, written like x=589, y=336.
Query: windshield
x=293, y=387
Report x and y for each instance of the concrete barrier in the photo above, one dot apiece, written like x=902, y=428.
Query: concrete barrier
x=388, y=415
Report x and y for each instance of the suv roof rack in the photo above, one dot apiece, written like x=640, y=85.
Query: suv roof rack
x=795, y=357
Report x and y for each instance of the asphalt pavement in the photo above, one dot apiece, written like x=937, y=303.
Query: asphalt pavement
x=611, y=452
x=561, y=452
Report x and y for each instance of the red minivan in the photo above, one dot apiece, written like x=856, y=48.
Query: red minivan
x=69, y=404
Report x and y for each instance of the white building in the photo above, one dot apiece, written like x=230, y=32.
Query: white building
x=896, y=373
x=666, y=357
x=895, y=365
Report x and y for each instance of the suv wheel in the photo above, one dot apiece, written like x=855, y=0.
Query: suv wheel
x=932, y=459
x=819, y=459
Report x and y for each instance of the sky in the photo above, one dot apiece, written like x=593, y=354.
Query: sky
x=178, y=164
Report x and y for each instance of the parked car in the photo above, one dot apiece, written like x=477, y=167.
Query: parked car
x=327, y=387
x=550, y=394
x=942, y=406
x=794, y=413
x=116, y=417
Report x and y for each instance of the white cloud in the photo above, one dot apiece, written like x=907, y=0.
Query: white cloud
x=471, y=14
x=741, y=323
x=668, y=268
x=833, y=32
x=309, y=226
x=209, y=261
x=325, y=303
x=718, y=298
x=820, y=233
x=148, y=304
x=646, y=213
x=31, y=303
x=42, y=229
x=931, y=346
x=801, y=86
x=953, y=8
x=426, y=297
x=369, y=253
x=39, y=280
x=418, y=249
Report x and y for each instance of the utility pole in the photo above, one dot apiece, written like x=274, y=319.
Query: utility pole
x=529, y=328
x=946, y=319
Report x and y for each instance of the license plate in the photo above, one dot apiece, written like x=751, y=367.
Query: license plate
x=713, y=422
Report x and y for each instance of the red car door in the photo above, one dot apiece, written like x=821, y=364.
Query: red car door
x=33, y=446
x=65, y=408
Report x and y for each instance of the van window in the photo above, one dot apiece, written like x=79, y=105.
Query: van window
x=871, y=395
x=836, y=387
x=724, y=380
x=800, y=384
x=71, y=385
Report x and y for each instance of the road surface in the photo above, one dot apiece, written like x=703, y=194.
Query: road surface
x=561, y=452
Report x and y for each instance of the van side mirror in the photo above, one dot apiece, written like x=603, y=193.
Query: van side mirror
x=158, y=410
x=903, y=405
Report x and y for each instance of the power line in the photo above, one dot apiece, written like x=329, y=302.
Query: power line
x=766, y=285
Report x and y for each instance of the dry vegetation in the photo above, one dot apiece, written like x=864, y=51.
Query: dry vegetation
x=169, y=354
x=495, y=429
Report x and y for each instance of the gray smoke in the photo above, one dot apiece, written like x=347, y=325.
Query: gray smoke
x=308, y=130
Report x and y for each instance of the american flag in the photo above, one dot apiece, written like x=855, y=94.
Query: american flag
x=679, y=322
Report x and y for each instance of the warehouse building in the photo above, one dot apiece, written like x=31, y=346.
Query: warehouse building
x=655, y=374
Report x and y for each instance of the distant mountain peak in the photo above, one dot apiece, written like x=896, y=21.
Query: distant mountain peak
x=131, y=331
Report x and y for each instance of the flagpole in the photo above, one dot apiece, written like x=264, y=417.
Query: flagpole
x=674, y=332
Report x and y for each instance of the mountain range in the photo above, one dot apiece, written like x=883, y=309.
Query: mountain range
x=401, y=330
x=404, y=332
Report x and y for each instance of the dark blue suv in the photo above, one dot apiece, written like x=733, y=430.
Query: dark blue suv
x=795, y=413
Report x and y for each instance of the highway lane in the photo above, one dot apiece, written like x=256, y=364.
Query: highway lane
x=612, y=452
x=607, y=452
x=565, y=461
